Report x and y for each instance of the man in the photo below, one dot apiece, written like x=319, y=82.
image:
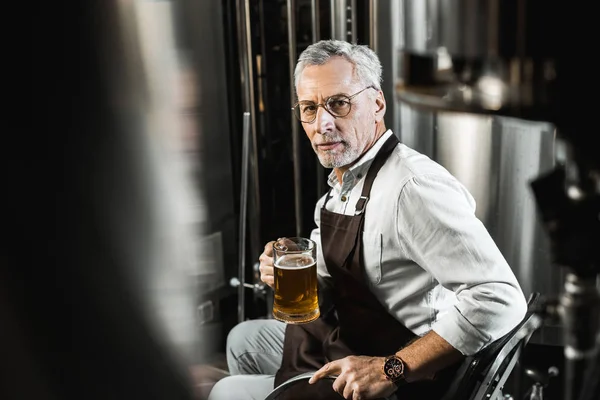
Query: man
x=416, y=281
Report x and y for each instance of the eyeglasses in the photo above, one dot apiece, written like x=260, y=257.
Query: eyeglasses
x=338, y=105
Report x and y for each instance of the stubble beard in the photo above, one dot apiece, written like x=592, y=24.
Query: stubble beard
x=337, y=158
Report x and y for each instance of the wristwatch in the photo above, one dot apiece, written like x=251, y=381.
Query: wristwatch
x=393, y=369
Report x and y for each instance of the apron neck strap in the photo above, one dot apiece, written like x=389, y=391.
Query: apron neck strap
x=380, y=158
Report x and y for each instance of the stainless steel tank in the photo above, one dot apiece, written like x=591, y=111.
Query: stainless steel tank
x=512, y=58
x=494, y=156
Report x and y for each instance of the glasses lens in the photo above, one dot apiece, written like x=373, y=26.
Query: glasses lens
x=305, y=112
x=338, y=105
x=296, y=111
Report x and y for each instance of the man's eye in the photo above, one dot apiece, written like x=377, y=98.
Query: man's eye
x=308, y=108
x=338, y=103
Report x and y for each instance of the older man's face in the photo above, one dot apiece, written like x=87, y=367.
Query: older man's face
x=340, y=141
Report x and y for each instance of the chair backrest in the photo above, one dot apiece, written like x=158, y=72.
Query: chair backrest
x=486, y=372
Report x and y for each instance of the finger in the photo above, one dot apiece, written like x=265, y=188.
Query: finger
x=266, y=269
x=269, y=248
x=348, y=392
x=290, y=244
x=265, y=259
x=357, y=396
x=269, y=280
x=266, y=275
x=339, y=386
x=331, y=368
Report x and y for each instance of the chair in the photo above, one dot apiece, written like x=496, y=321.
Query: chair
x=481, y=376
x=290, y=382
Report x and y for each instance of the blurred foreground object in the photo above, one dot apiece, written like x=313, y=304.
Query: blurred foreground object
x=109, y=312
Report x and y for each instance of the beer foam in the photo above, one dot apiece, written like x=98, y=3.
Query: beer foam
x=295, y=261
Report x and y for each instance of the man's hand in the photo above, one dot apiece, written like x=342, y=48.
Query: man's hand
x=359, y=377
x=266, y=265
x=266, y=260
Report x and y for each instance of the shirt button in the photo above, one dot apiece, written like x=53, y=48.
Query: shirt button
x=344, y=198
x=359, y=176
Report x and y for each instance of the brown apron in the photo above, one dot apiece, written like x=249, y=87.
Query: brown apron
x=358, y=324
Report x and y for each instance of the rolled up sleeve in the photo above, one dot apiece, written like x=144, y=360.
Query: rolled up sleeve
x=440, y=232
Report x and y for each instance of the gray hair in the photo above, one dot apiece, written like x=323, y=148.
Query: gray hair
x=367, y=66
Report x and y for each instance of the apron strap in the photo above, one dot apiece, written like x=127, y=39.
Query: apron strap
x=380, y=159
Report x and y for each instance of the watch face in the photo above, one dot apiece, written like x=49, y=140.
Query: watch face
x=394, y=368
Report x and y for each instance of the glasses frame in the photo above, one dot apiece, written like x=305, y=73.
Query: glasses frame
x=324, y=105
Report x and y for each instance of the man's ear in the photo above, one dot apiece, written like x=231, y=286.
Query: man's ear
x=381, y=106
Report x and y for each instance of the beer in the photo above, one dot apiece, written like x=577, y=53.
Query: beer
x=296, y=299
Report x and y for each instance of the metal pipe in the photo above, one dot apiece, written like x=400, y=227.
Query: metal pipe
x=353, y=20
x=373, y=24
x=332, y=23
x=339, y=19
x=315, y=18
x=343, y=20
x=291, y=8
x=246, y=93
x=249, y=129
x=255, y=215
x=250, y=106
x=316, y=36
x=244, y=76
x=580, y=312
x=243, y=213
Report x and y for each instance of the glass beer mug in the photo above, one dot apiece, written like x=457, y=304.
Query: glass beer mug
x=295, y=270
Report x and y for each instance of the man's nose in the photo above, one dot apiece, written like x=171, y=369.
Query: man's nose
x=324, y=122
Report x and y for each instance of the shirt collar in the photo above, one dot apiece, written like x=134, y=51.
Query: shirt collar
x=360, y=168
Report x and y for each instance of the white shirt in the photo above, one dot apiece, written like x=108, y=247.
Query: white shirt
x=427, y=257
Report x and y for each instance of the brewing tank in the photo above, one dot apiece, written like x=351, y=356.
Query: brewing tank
x=472, y=92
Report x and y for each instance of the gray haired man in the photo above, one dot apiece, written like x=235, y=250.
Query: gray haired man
x=417, y=282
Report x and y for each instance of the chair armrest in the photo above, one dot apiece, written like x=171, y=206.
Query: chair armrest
x=305, y=376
